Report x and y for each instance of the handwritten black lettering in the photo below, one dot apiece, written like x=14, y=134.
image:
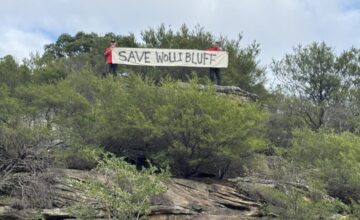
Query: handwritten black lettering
x=122, y=57
x=139, y=58
x=200, y=58
x=206, y=57
x=212, y=58
x=159, y=58
x=171, y=57
x=131, y=56
x=188, y=57
x=193, y=58
x=147, y=56
x=166, y=57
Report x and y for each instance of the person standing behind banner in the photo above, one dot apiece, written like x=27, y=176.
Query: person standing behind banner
x=112, y=67
x=214, y=73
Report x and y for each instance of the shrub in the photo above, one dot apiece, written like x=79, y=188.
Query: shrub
x=75, y=156
x=335, y=158
x=191, y=129
x=24, y=166
x=205, y=132
x=123, y=192
x=296, y=205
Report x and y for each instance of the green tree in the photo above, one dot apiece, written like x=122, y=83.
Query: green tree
x=244, y=69
x=12, y=74
x=53, y=105
x=284, y=117
x=191, y=129
x=320, y=79
x=205, y=132
x=10, y=108
x=85, y=50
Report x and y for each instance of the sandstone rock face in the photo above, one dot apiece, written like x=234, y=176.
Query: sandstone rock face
x=236, y=91
x=184, y=199
x=229, y=90
x=189, y=199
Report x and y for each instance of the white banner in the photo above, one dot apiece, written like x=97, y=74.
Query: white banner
x=169, y=57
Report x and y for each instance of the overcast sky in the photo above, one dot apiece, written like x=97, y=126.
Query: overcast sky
x=278, y=25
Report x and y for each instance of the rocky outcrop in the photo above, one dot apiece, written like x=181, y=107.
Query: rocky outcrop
x=236, y=91
x=229, y=90
x=184, y=199
x=190, y=199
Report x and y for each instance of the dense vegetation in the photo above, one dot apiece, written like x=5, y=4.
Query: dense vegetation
x=58, y=108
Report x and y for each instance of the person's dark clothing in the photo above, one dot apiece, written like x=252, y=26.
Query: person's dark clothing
x=112, y=68
x=214, y=73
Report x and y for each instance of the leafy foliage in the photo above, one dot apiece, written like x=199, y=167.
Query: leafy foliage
x=336, y=156
x=321, y=80
x=122, y=191
x=294, y=205
x=191, y=129
x=203, y=130
x=11, y=74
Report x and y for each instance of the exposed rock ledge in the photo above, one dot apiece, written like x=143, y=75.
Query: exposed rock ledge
x=237, y=91
x=189, y=199
x=184, y=199
x=230, y=90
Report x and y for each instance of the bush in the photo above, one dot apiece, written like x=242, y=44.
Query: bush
x=24, y=165
x=75, y=156
x=191, y=129
x=335, y=158
x=296, y=205
x=122, y=191
x=205, y=132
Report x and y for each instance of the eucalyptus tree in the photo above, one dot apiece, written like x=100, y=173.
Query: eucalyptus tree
x=323, y=83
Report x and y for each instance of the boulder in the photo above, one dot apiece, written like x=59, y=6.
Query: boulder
x=184, y=199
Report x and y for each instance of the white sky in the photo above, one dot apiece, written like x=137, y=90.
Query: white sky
x=278, y=25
